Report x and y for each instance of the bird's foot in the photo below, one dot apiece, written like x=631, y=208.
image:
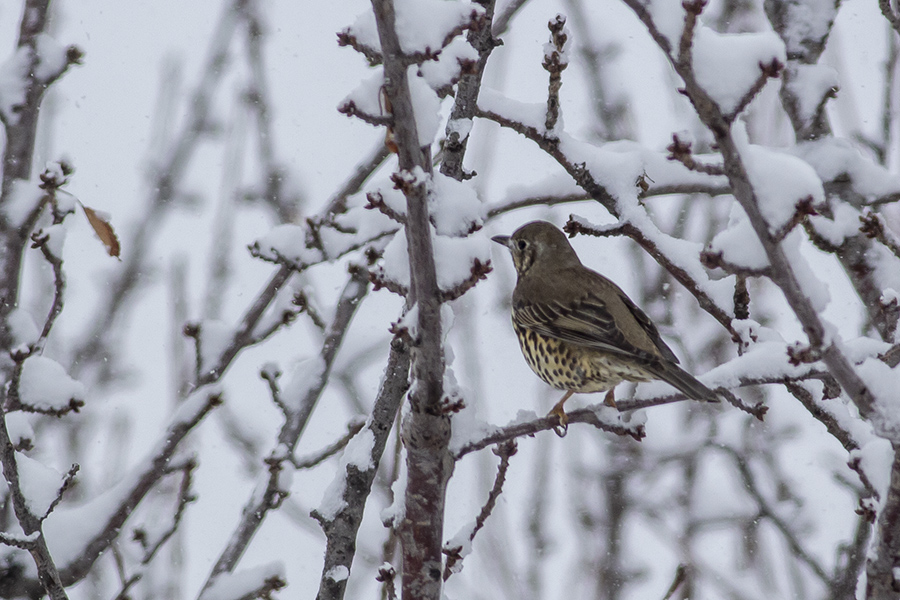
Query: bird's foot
x=563, y=428
x=561, y=415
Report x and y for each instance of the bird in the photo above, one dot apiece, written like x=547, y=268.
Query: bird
x=578, y=330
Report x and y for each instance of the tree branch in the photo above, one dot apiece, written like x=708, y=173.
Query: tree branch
x=456, y=549
x=783, y=274
x=426, y=431
x=341, y=528
x=456, y=141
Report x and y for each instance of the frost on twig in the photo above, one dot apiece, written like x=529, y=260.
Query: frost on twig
x=783, y=273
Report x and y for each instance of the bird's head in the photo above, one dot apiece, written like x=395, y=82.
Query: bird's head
x=539, y=245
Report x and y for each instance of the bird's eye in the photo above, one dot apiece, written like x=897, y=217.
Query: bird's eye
x=521, y=244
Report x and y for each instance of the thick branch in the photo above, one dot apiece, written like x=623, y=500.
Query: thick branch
x=881, y=580
x=427, y=429
x=341, y=530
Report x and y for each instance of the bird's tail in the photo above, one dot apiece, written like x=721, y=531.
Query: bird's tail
x=684, y=382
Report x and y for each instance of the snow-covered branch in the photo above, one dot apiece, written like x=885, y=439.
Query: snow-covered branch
x=340, y=514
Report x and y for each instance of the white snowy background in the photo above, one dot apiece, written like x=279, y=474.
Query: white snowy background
x=114, y=118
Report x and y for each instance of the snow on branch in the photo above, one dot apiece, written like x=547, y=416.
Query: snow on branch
x=480, y=38
x=784, y=273
x=461, y=264
x=342, y=511
x=79, y=535
x=23, y=542
x=41, y=385
x=35, y=65
x=424, y=29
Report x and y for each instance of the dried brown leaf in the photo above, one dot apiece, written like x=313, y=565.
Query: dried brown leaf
x=104, y=231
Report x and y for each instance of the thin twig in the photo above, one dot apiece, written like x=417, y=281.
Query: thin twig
x=680, y=576
x=324, y=454
x=529, y=428
x=185, y=497
x=59, y=285
x=454, y=557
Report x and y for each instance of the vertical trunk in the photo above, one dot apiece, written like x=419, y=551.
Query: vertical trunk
x=426, y=431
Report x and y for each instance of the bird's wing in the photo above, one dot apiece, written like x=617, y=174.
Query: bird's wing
x=650, y=329
x=585, y=322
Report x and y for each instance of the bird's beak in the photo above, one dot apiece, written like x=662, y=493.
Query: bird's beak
x=503, y=240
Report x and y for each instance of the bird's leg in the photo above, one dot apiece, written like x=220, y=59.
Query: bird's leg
x=561, y=413
x=610, y=399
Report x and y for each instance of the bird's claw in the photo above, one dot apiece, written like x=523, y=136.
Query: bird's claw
x=563, y=428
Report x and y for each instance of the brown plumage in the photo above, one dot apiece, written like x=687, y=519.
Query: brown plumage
x=578, y=330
